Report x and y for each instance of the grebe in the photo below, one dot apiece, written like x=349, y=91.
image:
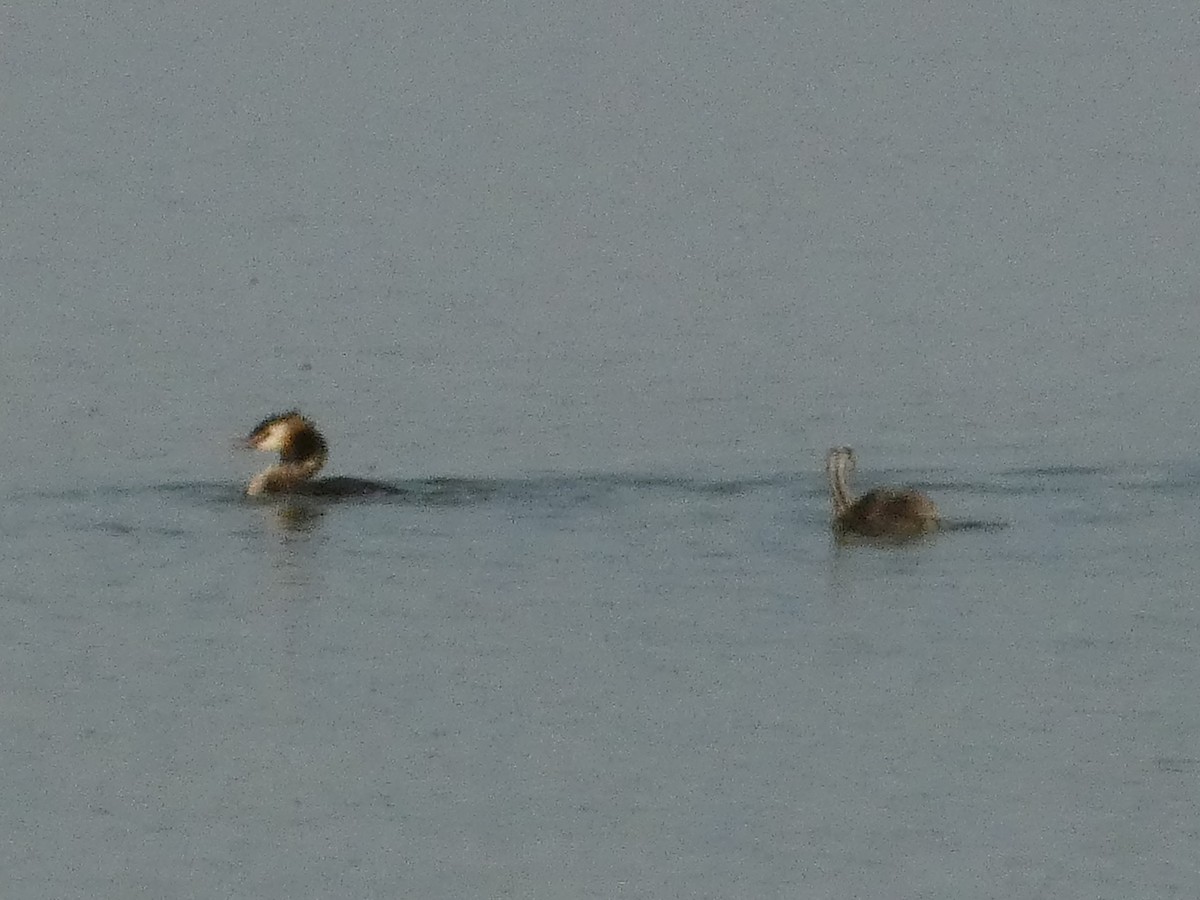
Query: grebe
x=881, y=512
x=302, y=452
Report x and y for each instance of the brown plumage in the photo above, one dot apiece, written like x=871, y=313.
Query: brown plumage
x=881, y=512
x=302, y=453
x=301, y=448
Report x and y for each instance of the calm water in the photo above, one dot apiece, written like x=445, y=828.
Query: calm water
x=600, y=285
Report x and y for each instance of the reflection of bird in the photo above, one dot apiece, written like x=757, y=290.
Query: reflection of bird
x=302, y=452
x=881, y=512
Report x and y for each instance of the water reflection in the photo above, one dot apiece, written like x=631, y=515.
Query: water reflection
x=297, y=517
x=293, y=529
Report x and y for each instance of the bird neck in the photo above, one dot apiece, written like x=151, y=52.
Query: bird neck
x=838, y=466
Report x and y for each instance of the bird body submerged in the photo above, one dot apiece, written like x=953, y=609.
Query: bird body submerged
x=881, y=512
x=302, y=454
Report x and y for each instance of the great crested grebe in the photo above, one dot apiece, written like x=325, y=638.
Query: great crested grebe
x=302, y=452
x=881, y=512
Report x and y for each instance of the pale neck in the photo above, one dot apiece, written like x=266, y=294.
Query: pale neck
x=285, y=476
x=838, y=466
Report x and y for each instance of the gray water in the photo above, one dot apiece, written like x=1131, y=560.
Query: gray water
x=599, y=284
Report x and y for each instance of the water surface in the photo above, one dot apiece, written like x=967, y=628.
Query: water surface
x=599, y=286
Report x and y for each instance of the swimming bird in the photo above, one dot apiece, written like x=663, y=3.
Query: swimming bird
x=302, y=453
x=880, y=512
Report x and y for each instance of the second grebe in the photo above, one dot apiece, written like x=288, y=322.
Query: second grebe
x=302, y=452
x=881, y=512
